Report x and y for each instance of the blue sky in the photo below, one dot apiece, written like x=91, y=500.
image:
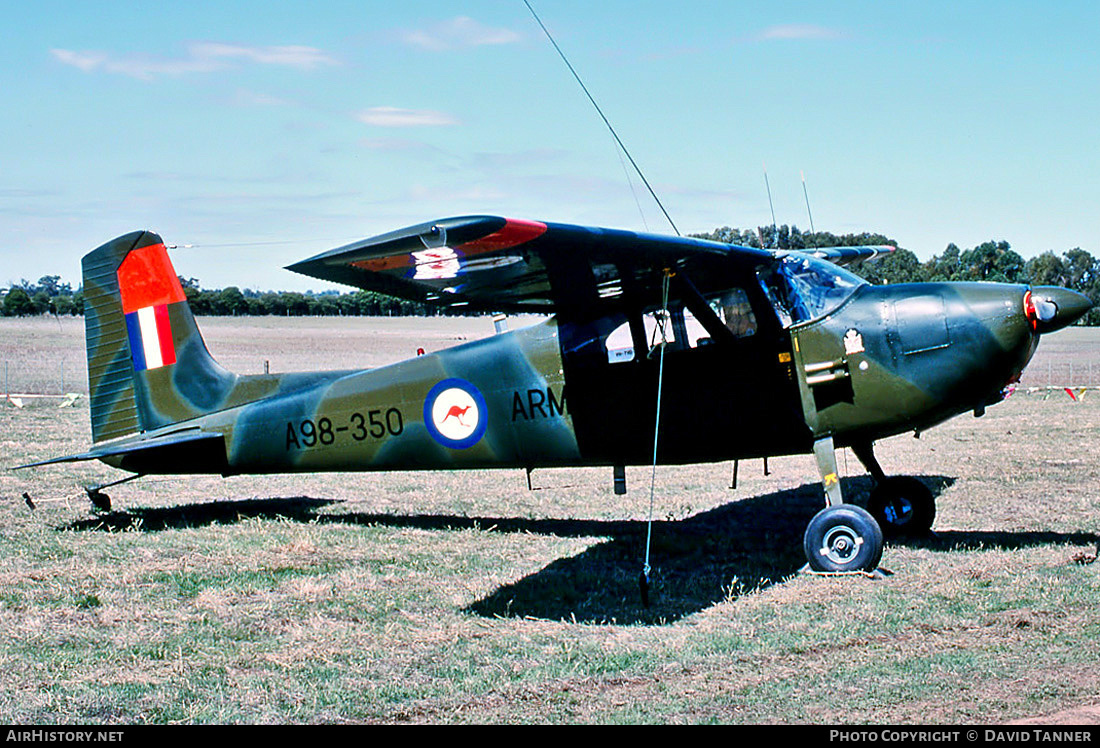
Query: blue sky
x=264, y=132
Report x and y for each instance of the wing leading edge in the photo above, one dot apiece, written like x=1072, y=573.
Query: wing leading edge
x=848, y=255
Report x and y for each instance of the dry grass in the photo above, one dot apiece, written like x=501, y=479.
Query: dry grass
x=464, y=597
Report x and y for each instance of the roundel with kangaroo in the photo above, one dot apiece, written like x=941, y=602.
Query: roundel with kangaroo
x=455, y=413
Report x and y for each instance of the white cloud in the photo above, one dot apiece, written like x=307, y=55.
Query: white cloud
x=86, y=61
x=201, y=57
x=295, y=56
x=798, y=31
x=457, y=33
x=388, y=116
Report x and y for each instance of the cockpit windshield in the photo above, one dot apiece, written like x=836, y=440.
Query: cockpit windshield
x=801, y=287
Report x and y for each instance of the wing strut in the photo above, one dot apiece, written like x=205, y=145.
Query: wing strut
x=643, y=581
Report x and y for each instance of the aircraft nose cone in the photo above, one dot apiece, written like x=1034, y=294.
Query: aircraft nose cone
x=1055, y=307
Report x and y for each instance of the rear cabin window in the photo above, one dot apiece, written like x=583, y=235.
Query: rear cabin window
x=620, y=343
x=731, y=307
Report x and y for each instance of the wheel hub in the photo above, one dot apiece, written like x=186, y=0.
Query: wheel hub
x=841, y=544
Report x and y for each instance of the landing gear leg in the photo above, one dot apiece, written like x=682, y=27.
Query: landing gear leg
x=825, y=455
x=903, y=506
x=841, y=537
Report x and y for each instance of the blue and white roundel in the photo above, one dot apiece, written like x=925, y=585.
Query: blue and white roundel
x=455, y=413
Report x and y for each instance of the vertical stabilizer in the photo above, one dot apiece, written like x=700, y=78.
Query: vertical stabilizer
x=148, y=366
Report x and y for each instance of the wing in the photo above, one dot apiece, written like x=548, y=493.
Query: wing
x=505, y=264
x=848, y=255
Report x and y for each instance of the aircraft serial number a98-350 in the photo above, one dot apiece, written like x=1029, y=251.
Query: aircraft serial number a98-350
x=757, y=353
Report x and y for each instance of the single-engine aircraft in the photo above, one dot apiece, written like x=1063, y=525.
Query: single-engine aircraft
x=759, y=353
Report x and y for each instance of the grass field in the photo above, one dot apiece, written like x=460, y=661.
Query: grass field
x=465, y=597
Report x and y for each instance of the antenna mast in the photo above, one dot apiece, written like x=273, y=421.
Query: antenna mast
x=775, y=231
x=602, y=116
x=810, y=214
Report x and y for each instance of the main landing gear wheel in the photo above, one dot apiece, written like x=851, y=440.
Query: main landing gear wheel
x=843, y=538
x=903, y=507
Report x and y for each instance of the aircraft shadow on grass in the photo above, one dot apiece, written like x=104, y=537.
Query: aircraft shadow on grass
x=739, y=547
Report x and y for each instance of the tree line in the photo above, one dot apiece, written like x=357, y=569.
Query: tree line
x=50, y=296
x=990, y=261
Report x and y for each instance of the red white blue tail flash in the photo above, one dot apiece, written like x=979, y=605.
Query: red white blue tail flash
x=150, y=337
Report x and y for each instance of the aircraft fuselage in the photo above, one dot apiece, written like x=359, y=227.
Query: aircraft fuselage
x=891, y=359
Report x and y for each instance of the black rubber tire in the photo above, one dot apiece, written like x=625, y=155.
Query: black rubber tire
x=100, y=500
x=903, y=507
x=843, y=538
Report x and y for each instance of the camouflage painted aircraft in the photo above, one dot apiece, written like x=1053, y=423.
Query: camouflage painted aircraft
x=755, y=353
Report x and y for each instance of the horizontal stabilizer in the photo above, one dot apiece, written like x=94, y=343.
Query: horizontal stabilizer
x=141, y=451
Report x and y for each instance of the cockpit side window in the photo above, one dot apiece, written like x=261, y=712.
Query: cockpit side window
x=801, y=287
x=732, y=308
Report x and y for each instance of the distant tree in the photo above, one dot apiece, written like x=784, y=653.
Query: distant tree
x=945, y=267
x=1046, y=269
x=18, y=303
x=726, y=235
x=273, y=303
x=201, y=301
x=229, y=301
x=1082, y=268
x=297, y=304
x=52, y=286
x=899, y=266
x=323, y=306
x=1083, y=271
x=255, y=306
x=63, y=305
x=41, y=302
x=992, y=261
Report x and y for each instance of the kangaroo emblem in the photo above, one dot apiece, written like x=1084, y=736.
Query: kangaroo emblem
x=457, y=413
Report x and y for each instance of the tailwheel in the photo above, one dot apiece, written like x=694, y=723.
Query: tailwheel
x=843, y=538
x=903, y=507
x=100, y=500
